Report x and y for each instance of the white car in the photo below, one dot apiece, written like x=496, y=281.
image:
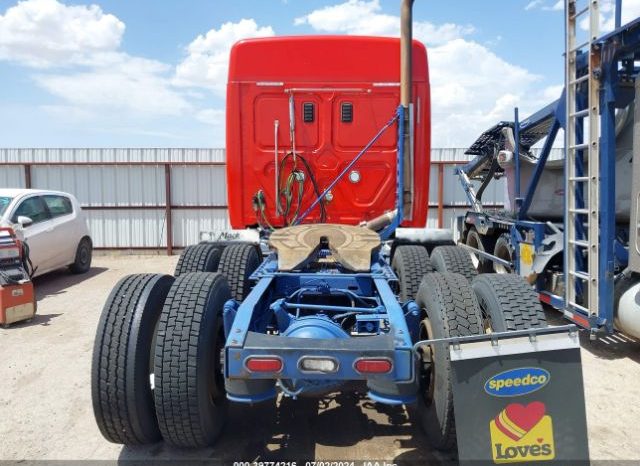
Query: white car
x=52, y=224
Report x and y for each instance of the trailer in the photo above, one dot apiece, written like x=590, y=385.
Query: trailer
x=570, y=226
x=327, y=170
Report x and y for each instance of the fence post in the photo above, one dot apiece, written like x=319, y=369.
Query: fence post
x=167, y=200
x=440, y=195
x=27, y=175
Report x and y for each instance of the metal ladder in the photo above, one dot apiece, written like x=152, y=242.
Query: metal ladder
x=581, y=149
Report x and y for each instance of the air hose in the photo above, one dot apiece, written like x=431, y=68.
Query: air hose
x=294, y=185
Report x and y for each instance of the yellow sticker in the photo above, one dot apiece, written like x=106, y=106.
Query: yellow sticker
x=521, y=434
x=526, y=253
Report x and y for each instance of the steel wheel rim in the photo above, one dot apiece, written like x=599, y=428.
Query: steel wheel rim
x=427, y=374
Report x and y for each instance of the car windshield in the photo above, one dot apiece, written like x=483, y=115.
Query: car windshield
x=4, y=203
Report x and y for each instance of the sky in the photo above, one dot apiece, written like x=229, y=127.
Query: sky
x=152, y=73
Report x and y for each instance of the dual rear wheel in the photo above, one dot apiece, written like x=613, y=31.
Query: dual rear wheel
x=456, y=302
x=157, y=367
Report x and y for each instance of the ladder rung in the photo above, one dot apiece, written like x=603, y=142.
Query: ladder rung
x=578, y=306
x=580, y=13
x=581, y=275
x=579, y=211
x=580, y=113
x=579, y=80
x=581, y=146
x=580, y=243
x=579, y=179
x=581, y=46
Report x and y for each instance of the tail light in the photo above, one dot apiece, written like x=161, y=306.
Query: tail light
x=318, y=364
x=373, y=365
x=263, y=364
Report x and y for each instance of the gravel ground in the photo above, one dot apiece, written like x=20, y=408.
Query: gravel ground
x=46, y=413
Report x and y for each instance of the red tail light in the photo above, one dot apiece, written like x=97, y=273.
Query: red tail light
x=373, y=366
x=263, y=364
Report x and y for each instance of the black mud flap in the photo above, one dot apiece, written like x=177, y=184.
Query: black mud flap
x=519, y=397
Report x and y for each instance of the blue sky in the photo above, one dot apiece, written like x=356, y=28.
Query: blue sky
x=151, y=73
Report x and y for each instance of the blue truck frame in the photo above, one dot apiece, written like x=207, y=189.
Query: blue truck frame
x=389, y=328
x=618, y=50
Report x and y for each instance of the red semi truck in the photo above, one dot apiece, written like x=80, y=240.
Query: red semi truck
x=326, y=165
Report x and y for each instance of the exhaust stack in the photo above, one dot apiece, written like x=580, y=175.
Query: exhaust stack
x=406, y=41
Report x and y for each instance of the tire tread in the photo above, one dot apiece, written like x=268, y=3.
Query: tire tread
x=237, y=263
x=115, y=418
x=410, y=262
x=460, y=315
x=453, y=259
x=197, y=258
x=518, y=302
x=178, y=350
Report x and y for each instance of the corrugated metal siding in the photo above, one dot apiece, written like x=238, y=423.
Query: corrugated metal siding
x=195, y=185
x=111, y=155
x=12, y=177
x=100, y=186
x=198, y=185
x=128, y=228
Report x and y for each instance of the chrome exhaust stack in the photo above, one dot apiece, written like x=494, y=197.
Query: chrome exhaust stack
x=406, y=42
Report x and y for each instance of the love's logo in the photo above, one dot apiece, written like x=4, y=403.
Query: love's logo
x=522, y=433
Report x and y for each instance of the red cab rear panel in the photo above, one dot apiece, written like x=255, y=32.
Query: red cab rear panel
x=328, y=74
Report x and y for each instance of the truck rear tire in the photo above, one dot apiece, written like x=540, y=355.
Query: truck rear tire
x=123, y=358
x=508, y=303
x=450, y=309
x=203, y=257
x=191, y=402
x=453, y=259
x=237, y=263
x=410, y=263
x=482, y=243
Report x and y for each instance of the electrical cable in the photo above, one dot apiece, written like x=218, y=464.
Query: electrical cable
x=299, y=176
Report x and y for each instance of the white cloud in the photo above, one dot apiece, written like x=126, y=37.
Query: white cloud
x=543, y=5
x=364, y=17
x=76, y=55
x=472, y=88
x=207, y=61
x=533, y=4
x=76, y=50
x=211, y=116
x=558, y=6
x=130, y=85
x=630, y=11
x=45, y=33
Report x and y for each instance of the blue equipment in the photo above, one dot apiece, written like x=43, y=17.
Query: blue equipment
x=597, y=231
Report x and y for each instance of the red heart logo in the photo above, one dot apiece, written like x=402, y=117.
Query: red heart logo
x=517, y=420
x=525, y=417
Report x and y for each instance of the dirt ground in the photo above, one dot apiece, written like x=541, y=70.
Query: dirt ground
x=46, y=413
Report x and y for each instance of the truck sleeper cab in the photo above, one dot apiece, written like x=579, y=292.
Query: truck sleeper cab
x=338, y=91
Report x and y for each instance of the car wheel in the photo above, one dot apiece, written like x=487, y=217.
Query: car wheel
x=82, y=262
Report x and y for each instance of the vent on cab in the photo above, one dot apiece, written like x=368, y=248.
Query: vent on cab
x=308, y=112
x=346, y=112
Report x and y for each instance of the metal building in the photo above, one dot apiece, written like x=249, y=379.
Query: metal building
x=125, y=191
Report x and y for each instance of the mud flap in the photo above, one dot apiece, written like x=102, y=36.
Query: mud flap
x=519, y=397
